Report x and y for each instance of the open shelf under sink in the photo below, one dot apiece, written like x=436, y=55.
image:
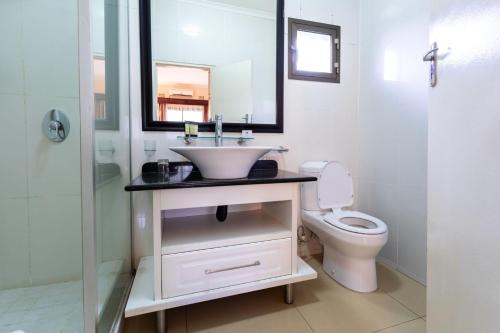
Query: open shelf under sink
x=182, y=234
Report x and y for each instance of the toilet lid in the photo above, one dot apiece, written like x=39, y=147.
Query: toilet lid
x=335, y=189
x=356, y=222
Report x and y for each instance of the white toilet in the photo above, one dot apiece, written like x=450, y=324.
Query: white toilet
x=351, y=239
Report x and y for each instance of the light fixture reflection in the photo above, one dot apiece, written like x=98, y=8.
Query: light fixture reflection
x=391, y=66
x=191, y=30
x=141, y=221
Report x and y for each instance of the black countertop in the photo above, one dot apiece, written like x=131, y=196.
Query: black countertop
x=185, y=175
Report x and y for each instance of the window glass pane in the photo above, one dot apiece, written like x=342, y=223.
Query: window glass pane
x=99, y=88
x=195, y=114
x=174, y=115
x=183, y=113
x=314, y=52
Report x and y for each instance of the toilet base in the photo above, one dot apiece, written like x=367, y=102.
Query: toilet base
x=358, y=274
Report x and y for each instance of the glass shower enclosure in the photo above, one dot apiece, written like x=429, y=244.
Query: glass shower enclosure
x=65, y=239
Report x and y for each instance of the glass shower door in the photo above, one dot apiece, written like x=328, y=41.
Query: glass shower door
x=40, y=187
x=112, y=157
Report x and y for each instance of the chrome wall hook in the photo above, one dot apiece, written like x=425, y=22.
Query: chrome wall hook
x=431, y=55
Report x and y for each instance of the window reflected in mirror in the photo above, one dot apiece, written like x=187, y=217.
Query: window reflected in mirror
x=106, y=101
x=183, y=93
x=100, y=88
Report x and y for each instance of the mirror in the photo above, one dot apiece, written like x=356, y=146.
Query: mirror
x=205, y=57
x=106, y=64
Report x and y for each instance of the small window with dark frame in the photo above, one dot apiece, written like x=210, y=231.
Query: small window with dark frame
x=313, y=51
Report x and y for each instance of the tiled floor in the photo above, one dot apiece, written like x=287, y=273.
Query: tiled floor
x=53, y=308
x=320, y=306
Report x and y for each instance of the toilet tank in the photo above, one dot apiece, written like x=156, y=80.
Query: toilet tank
x=309, y=190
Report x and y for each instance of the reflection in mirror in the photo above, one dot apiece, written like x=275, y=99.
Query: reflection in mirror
x=99, y=88
x=183, y=93
x=106, y=64
x=215, y=57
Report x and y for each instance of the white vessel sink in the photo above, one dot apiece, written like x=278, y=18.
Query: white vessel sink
x=223, y=162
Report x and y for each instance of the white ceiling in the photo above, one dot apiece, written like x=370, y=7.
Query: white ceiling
x=262, y=5
x=182, y=75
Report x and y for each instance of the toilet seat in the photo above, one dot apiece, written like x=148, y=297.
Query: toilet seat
x=355, y=222
x=336, y=192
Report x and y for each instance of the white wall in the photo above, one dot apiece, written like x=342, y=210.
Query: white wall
x=320, y=118
x=40, y=222
x=393, y=102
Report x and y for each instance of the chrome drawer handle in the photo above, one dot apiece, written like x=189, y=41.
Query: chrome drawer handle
x=209, y=271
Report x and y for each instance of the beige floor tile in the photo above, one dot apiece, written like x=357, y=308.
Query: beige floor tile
x=176, y=322
x=415, y=326
x=323, y=303
x=406, y=290
x=262, y=311
x=316, y=262
x=329, y=307
x=143, y=324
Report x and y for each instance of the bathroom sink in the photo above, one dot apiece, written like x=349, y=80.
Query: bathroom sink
x=223, y=162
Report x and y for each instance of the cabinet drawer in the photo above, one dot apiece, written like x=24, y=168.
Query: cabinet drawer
x=190, y=272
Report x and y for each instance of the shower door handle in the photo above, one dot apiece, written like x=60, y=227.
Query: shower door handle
x=432, y=57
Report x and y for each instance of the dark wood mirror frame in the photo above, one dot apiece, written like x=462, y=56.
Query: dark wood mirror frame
x=149, y=124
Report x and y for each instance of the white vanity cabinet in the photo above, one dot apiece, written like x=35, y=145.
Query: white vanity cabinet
x=197, y=258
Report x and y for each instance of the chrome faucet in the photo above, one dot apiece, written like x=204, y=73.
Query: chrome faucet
x=218, y=130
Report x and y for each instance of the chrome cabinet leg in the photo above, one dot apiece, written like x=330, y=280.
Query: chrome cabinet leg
x=289, y=294
x=161, y=321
